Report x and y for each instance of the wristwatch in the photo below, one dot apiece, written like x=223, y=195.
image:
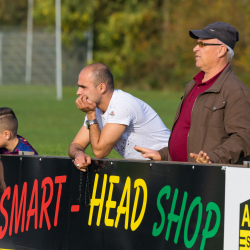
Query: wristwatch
x=91, y=122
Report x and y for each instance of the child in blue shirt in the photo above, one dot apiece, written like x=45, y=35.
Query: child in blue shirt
x=10, y=142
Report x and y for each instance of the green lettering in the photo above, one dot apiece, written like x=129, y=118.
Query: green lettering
x=165, y=190
x=196, y=202
x=176, y=218
x=209, y=234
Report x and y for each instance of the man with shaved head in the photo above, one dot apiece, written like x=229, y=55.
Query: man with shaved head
x=114, y=119
x=212, y=123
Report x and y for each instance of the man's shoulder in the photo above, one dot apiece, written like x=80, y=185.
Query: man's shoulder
x=130, y=104
x=122, y=96
x=124, y=100
x=233, y=83
x=192, y=82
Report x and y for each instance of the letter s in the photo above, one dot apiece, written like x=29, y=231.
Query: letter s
x=4, y=212
x=165, y=190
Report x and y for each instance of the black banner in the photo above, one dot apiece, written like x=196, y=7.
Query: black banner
x=46, y=203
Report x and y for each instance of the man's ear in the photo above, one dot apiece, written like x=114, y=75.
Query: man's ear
x=102, y=87
x=7, y=134
x=222, y=51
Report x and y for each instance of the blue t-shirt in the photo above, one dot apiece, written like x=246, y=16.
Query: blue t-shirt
x=22, y=145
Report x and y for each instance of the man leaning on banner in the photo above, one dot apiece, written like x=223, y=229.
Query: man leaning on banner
x=114, y=119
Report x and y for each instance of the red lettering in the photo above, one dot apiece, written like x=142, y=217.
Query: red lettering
x=44, y=204
x=75, y=208
x=33, y=211
x=4, y=212
x=60, y=180
x=15, y=207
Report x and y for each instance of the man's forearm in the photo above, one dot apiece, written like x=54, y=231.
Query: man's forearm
x=94, y=135
x=232, y=149
x=75, y=149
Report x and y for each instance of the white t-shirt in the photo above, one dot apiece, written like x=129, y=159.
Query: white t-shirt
x=144, y=127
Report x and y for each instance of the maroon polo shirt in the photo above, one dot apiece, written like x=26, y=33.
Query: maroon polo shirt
x=178, y=141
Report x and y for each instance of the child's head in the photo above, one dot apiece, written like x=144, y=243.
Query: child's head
x=8, y=125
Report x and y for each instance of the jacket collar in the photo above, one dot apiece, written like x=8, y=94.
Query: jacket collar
x=216, y=87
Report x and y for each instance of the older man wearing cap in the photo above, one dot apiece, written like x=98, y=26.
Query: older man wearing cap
x=212, y=123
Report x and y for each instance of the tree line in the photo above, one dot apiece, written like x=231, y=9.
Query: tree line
x=144, y=43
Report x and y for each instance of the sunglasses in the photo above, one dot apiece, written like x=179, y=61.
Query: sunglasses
x=201, y=44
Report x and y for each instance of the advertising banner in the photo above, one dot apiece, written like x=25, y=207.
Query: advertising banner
x=237, y=205
x=46, y=203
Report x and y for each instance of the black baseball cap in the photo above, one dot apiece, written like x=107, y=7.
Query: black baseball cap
x=220, y=30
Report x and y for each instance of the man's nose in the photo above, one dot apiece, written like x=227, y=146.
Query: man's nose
x=196, y=48
x=78, y=92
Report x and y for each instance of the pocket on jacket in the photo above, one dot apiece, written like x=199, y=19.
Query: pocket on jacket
x=214, y=114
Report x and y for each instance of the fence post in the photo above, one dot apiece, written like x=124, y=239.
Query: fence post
x=58, y=51
x=29, y=43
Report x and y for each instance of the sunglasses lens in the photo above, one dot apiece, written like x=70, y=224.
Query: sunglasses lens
x=200, y=44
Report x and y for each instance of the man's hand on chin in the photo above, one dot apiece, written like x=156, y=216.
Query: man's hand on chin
x=84, y=104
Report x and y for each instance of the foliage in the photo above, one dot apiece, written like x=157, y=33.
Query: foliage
x=75, y=15
x=145, y=43
x=13, y=12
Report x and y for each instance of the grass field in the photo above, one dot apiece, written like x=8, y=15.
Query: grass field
x=50, y=125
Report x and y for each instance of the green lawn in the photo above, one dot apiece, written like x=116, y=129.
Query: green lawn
x=50, y=125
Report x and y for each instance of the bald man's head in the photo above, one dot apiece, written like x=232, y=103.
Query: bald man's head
x=101, y=74
x=8, y=121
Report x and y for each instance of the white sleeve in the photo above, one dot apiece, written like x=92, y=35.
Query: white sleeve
x=122, y=113
x=97, y=117
x=86, y=118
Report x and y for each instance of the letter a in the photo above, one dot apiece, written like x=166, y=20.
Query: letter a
x=245, y=216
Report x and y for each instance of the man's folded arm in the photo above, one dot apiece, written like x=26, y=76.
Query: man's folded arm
x=77, y=149
x=80, y=143
x=103, y=141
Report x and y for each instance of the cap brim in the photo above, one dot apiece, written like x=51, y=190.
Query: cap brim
x=195, y=34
